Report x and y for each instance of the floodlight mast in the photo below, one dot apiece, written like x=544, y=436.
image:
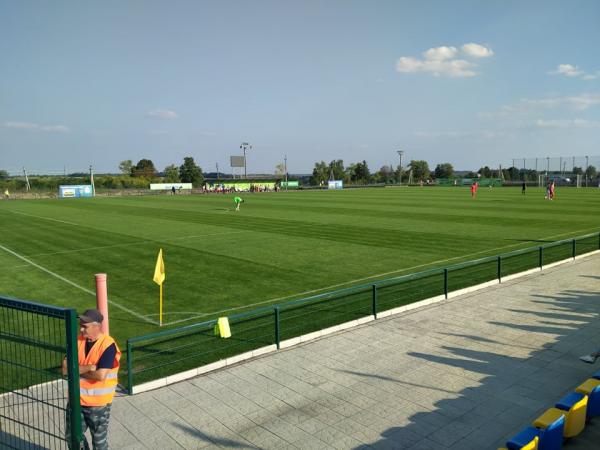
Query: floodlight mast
x=400, y=153
x=245, y=146
x=92, y=181
x=286, y=172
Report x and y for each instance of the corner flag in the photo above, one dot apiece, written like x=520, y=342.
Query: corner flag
x=159, y=278
x=159, y=270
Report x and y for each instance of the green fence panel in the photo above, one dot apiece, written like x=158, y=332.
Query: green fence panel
x=519, y=262
x=297, y=319
x=587, y=244
x=463, y=276
x=557, y=252
x=34, y=408
x=410, y=290
x=161, y=355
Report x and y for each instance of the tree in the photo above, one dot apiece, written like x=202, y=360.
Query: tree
x=3, y=174
x=385, y=174
x=362, y=173
x=144, y=168
x=320, y=173
x=420, y=169
x=280, y=169
x=577, y=170
x=189, y=172
x=591, y=173
x=336, y=169
x=444, y=170
x=485, y=172
x=171, y=174
x=126, y=166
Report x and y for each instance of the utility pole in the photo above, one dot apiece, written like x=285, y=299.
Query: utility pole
x=400, y=153
x=217, y=172
x=560, y=166
x=27, y=185
x=245, y=146
x=547, y=165
x=92, y=181
x=286, y=173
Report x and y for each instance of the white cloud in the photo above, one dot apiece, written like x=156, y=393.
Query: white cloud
x=162, y=114
x=477, y=135
x=444, y=61
x=36, y=127
x=477, y=50
x=55, y=128
x=454, y=68
x=440, y=53
x=567, y=123
x=568, y=70
x=579, y=102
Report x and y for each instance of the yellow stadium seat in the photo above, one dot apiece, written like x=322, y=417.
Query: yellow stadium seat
x=574, y=407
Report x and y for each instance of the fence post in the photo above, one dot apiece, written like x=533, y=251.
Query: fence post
x=374, y=305
x=129, y=367
x=574, y=248
x=277, y=333
x=74, y=412
x=499, y=269
x=541, y=263
x=446, y=283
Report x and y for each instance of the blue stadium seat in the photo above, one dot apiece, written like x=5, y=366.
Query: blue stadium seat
x=591, y=388
x=550, y=427
x=527, y=439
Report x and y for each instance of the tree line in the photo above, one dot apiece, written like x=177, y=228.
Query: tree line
x=133, y=176
x=358, y=173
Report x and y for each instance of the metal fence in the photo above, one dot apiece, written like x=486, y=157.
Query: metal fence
x=34, y=396
x=172, y=351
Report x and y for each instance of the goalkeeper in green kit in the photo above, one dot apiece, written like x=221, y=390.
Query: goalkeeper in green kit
x=238, y=201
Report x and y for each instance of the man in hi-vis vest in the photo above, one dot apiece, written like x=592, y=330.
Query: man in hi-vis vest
x=99, y=357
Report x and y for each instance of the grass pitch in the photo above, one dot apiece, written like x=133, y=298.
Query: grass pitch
x=280, y=246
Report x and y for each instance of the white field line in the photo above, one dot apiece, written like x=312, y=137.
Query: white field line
x=45, y=218
x=366, y=278
x=55, y=275
x=144, y=241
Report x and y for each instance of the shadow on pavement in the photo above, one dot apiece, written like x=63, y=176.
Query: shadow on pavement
x=509, y=391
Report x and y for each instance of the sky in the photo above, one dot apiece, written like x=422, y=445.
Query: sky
x=472, y=83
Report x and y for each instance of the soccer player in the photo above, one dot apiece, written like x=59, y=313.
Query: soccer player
x=238, y=201
x=473, y=189
x=523, y=188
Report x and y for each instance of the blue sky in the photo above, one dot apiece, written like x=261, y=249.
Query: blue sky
x=468, y=82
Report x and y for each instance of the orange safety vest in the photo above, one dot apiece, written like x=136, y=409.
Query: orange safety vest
x=93, y=392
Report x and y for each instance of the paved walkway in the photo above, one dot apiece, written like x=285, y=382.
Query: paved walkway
x=465, y=373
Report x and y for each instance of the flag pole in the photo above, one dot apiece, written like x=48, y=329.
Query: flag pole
x=160, y=307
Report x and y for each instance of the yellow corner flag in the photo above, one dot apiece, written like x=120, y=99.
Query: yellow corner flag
x=159, y=269
x=159, y=278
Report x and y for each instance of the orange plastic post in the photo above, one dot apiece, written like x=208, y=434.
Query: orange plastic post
x=102, y=299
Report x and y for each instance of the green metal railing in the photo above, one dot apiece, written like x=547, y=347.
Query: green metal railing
x=36, y=402
x=171, y=351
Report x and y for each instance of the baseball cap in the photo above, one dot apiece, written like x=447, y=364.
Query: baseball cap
x=91, y=315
